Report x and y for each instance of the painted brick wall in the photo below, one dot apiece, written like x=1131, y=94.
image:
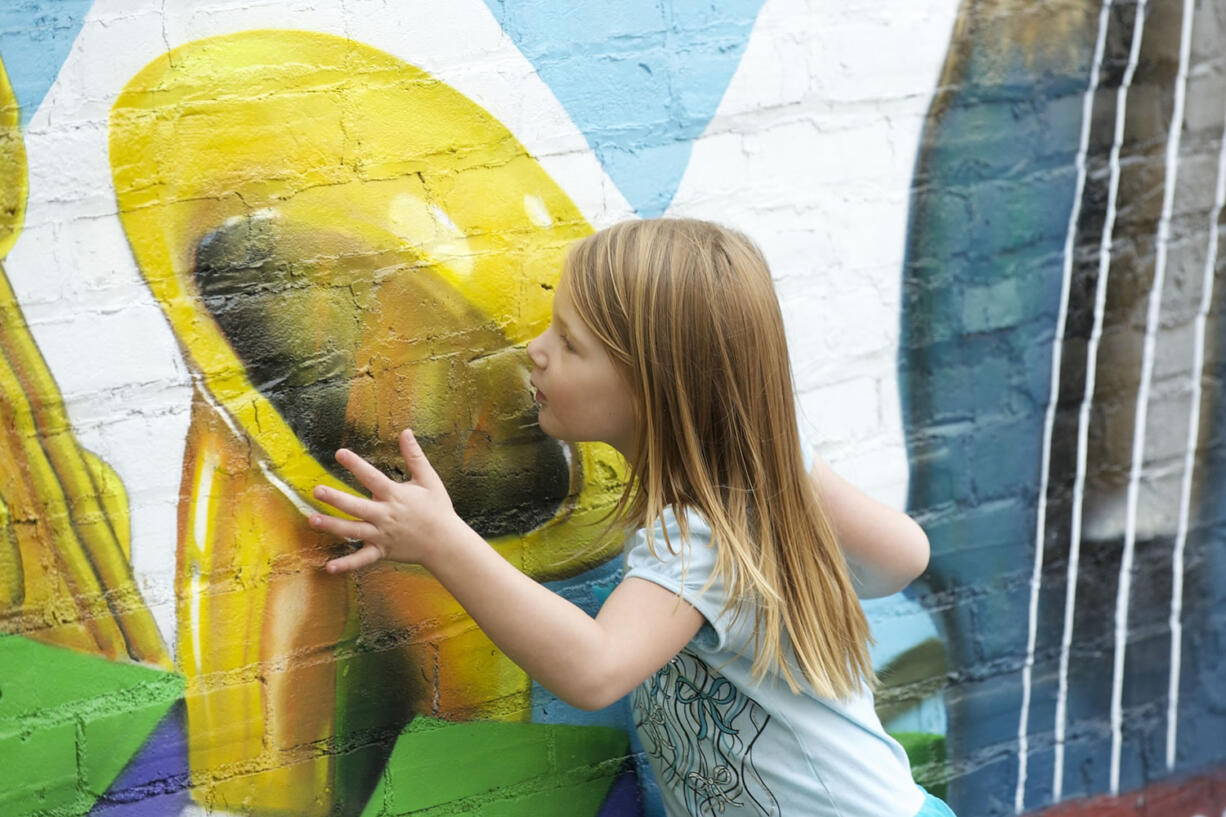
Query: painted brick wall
x=237, y=234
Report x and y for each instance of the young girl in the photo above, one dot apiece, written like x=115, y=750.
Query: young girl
x=736, y=625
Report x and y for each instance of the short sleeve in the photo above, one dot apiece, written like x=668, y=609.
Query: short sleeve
x=685, y=572
x=688, y=570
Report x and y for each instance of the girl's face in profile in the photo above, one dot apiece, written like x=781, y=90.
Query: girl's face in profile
x=582, y=393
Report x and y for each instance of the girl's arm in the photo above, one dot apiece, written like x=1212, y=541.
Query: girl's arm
x=885, y=549
x=589, y=663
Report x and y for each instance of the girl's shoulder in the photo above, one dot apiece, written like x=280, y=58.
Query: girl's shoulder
x=684, y=565
x=671, y=547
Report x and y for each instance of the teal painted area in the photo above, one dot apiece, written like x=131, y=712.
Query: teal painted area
x=993, y=190
x=35, y=38
x=641, y=78
x=588, y=591
x=908, y=655
x=70, y=722
x=504, y=769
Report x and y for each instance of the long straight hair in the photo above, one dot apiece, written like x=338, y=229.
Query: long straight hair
x=689, y=310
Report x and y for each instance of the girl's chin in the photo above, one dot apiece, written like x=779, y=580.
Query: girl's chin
x=545, y=421
x=550, y=429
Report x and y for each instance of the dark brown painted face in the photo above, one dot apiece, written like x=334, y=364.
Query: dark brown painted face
x=351, y=346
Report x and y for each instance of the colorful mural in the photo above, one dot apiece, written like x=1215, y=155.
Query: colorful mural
x=239, y=238
x=342, y=245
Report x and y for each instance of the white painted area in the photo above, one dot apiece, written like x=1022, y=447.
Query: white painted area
x=811, y=153
x=1152, y=318
x=1189, y=457
x=200, y=511
x=462, y=44
x=1049, y=417
x=1083, y=416
x=104, y=339
x=536, y=211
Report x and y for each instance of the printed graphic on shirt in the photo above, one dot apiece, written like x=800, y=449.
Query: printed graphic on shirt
x=699, y=731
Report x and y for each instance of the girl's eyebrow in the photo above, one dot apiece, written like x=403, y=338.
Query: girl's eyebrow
x=558, y=319
x=564, y=329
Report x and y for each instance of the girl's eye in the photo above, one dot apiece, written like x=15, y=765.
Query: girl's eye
x=567, y=344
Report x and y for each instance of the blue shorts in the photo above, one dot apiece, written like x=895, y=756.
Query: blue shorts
x=934, y=806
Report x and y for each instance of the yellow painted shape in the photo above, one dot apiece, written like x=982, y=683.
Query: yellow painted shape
x=13, y=175
x=259, y=625
x=73, y=513
x=79, y=502
x=12, y=579
x=357, y=142
x=112, y=498
x=66, y=555
x=380, y=172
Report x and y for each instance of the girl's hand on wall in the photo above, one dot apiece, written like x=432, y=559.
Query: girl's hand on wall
x=402, y=521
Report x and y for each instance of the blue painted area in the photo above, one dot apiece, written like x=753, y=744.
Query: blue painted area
x=155, y=782
x=35, y=38
x=993, y=190
x=900, y=623
x=641, y=78
x=623, y=799
x=587, y=590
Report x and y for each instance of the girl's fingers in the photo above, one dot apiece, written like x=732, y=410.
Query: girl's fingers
x=368, y=555
x=420, y=469
x=367, y=474
x=344, y=528
x=351, y=504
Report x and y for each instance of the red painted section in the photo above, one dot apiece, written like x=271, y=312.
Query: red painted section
x=1203, y=796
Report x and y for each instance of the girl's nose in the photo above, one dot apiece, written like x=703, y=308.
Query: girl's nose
x=536, y=352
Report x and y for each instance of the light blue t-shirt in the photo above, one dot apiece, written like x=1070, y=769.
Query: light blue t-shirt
x=721, y=743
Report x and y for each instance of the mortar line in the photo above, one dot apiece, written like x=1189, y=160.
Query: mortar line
x=1083, y=419
x=1036, y=577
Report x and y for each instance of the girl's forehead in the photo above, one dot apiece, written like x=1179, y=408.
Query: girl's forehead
x=561, y=294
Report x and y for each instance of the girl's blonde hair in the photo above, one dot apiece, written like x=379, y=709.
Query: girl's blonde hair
x=689, y=309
